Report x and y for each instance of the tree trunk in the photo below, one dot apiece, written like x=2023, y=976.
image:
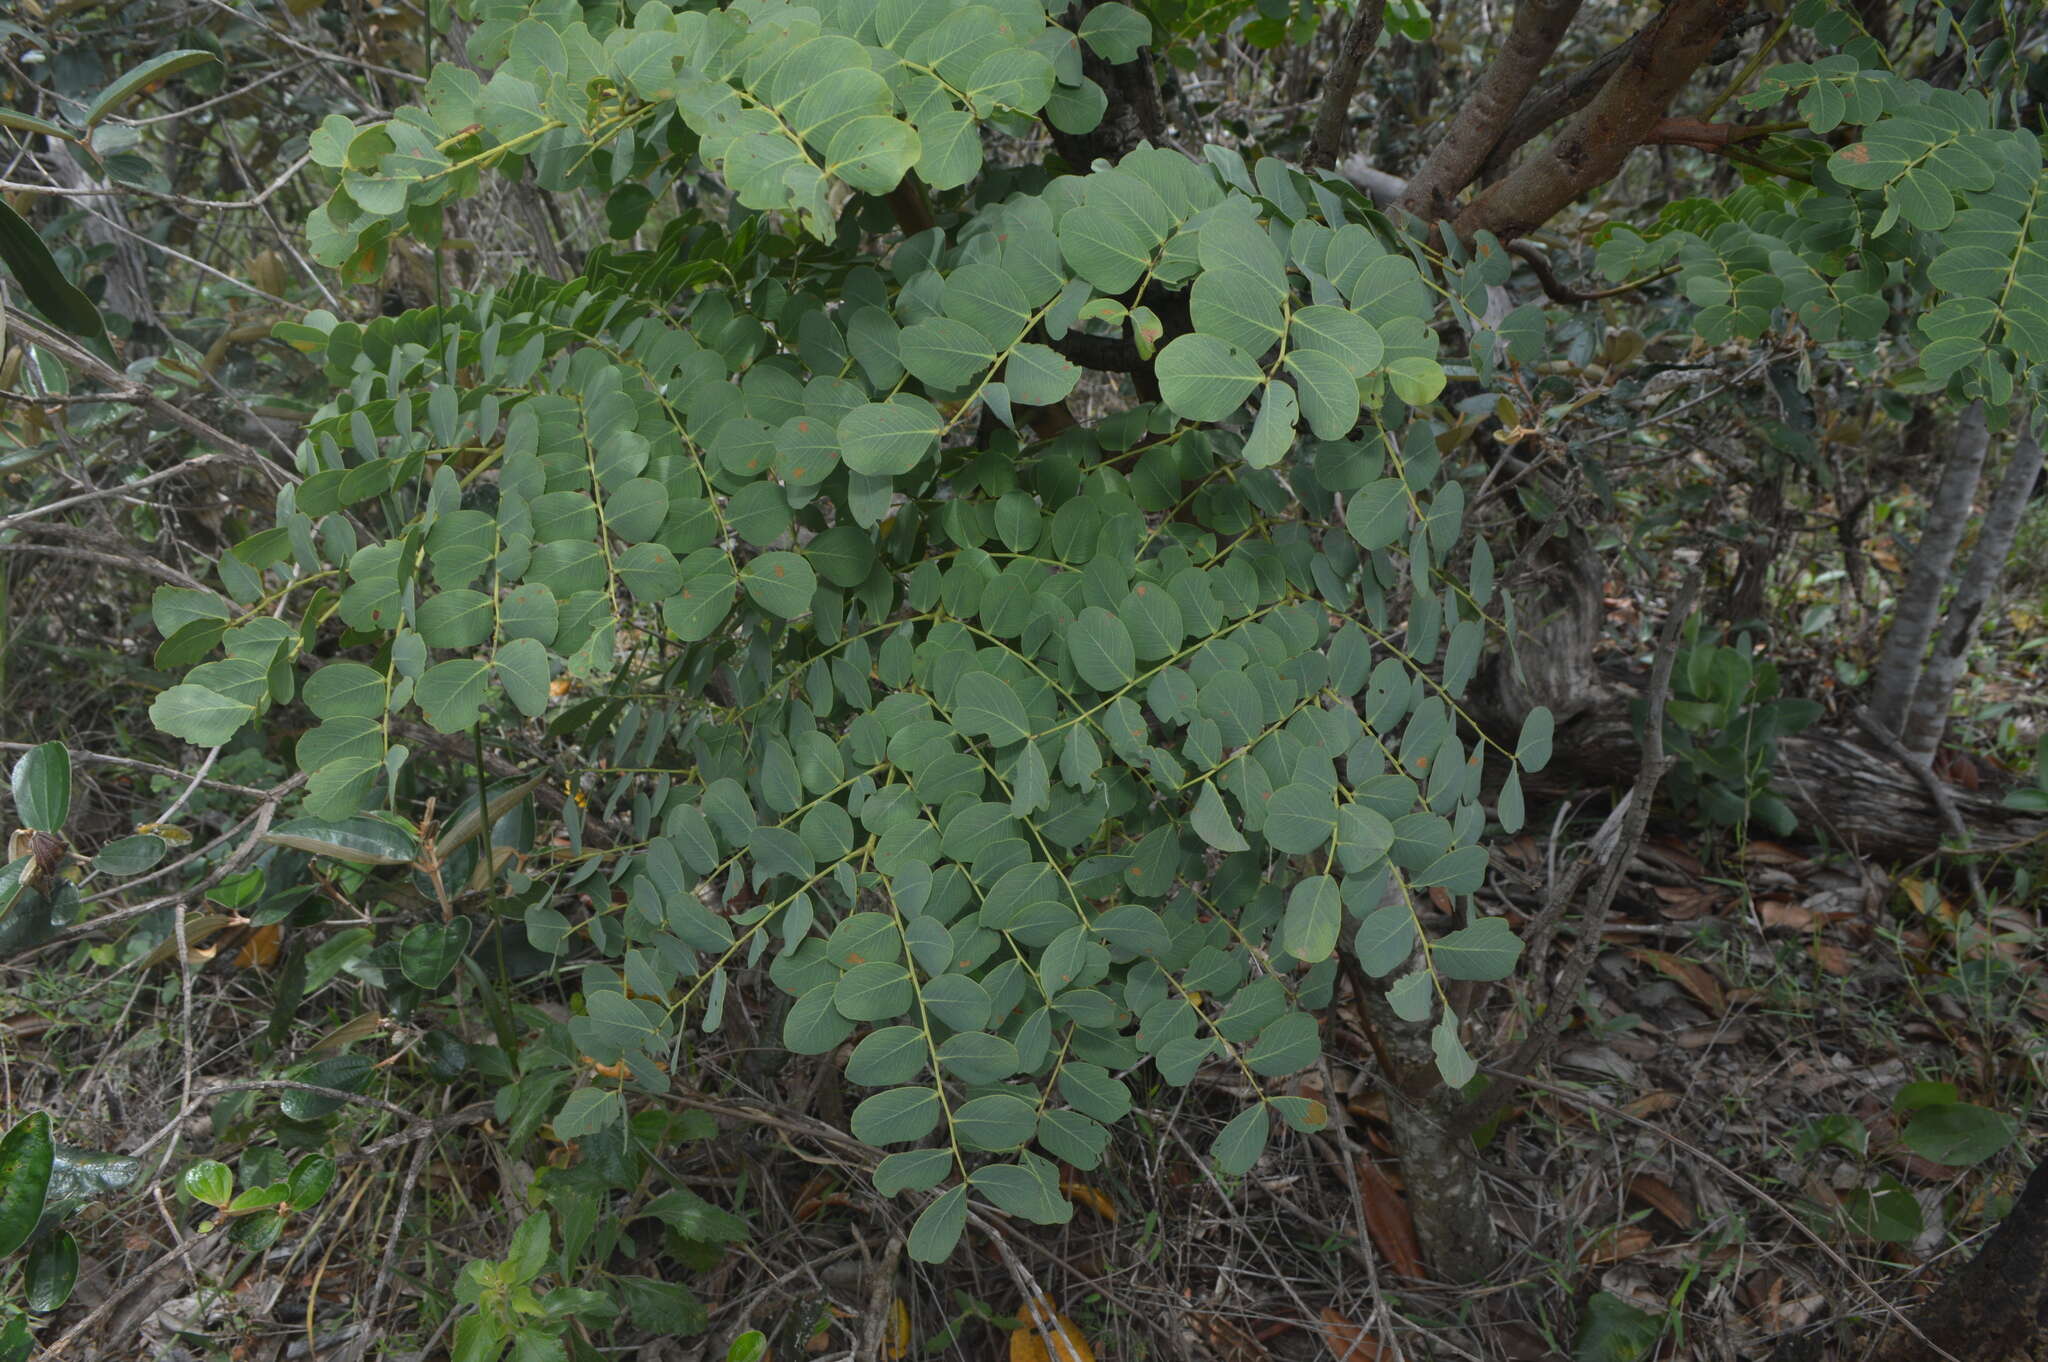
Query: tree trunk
x=1333, y=117
x=1836, y=784
x=1744, y=599
x=1454, y=162
x=1919, y=608
x=1996, y=1309
x=1590, y=148
x=1133, y=114
x=126, y=269
x=1927, y=717
x=1445, y=1189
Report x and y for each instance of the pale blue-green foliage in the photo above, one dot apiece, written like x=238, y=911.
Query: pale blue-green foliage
x=1031, y=771
x=1016, y=753
x=1934, y=196
x=1015, y=764
x=787, y=103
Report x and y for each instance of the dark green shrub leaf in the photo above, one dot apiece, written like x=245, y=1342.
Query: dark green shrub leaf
x=430, y=951
x=53, y=294
x=130, y=855
x=42, y=787
x=359, y=841
x=155, y=69
x=1958, y=1134
x=210, y=1183
x=26, y=1156
x=50, y=1273
x=1615, y=1331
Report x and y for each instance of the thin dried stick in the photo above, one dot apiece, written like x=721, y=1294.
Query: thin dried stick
x=1510, y=1080
x=874, y=1332
x=1039, y=1309
x=1543, y=1034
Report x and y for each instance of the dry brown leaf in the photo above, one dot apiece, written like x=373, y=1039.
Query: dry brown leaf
x=1662, y=1198
x=1624, y=1241
x=260, y=950
x=1227, y=1340
x=1650, y=1103
x=1928, y=900
x=1771, y=853
x=1784, y=915
x=1371, y=1105
x=1679, y=855
x=1048, y=1337
x=1349, y=1342
x=1832, y=958
x=25, y=1026
x=1682, y=903
x=198, y=927
x=1690, y=975
x=1387, y=1221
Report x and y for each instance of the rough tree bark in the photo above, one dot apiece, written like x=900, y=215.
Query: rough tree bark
x=1445, y=1190
x=125, y=269
x=1590, y=149
x=1133, y=115
x=1835, y=782
x=1919, y=608
x=1333, y=117
x=1927, y=716
x=1454, y=162
x=1996, y=1309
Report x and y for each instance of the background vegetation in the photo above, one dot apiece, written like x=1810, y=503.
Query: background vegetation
x=913, y=679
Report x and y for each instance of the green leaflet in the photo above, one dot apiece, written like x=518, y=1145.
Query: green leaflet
x=1102, y=649
x=885, y=438
x=36, y=270
x=985, y=706
x=198, y=715
x=1205, y=378
x=42, y=787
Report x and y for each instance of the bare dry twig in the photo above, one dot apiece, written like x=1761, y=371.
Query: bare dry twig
x=1626, y=838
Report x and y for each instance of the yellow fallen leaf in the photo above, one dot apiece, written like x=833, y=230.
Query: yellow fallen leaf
x=1081, y=1194
x=1049, y=1338
x=896, y=1342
